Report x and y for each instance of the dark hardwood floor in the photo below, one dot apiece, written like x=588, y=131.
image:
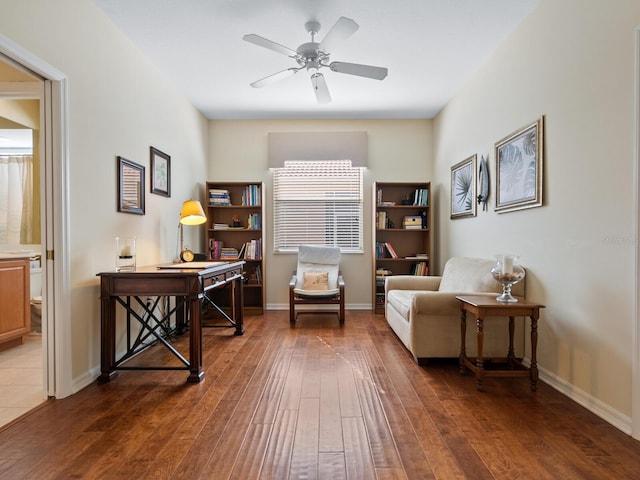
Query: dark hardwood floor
x=316, y=401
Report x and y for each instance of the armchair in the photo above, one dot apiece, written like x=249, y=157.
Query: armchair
x=317, y=280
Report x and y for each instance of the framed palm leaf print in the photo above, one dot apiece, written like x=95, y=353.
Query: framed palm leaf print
x=519, y=161
x=463, y=188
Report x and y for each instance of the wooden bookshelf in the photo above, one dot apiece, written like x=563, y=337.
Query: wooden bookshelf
x=235, y=227
x=401, y=233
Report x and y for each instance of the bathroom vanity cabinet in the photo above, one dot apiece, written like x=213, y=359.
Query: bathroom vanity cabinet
x=15, y=314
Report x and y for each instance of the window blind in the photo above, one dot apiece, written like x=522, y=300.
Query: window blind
x=318, y=203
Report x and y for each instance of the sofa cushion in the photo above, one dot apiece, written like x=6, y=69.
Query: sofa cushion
x=462, y=275
x=401, y=301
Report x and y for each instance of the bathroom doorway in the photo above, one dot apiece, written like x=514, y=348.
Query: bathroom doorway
x=23, y=380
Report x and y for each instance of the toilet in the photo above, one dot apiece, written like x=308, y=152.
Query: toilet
x=36, y=296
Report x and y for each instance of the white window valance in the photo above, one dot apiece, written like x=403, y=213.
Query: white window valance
x=318, y=146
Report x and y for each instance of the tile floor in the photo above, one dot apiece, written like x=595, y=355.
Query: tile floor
x=21, y=379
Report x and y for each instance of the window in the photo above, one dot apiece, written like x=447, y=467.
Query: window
x=318, y=203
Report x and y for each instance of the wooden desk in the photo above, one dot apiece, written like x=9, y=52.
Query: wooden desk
x=487, y=306
x=188, y=286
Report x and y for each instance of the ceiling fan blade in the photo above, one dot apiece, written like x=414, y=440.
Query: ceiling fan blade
x=274, y=77
x=320, y=88
x=271, y=45
x=341, y=30
x=377, y=73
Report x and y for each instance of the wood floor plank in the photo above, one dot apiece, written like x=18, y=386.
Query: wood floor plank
x=277, y=460
x=391, y=474
x=291, y=391
x=249, y=461
x=381, y=442
x=332, y=465
x=348, y=393
x=330, y=423
x=356, y=449
x=304, y=458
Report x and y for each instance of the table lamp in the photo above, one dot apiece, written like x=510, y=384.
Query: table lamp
x=192, y=213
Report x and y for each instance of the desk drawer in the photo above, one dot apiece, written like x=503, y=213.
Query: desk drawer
x=220, y=279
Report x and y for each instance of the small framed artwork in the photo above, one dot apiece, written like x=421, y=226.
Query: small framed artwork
x=463, y=188
x=160, y=172
x=519, y=161
x=130, y=187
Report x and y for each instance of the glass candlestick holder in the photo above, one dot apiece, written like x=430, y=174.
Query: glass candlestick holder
x=507, y=272
x=125, y=254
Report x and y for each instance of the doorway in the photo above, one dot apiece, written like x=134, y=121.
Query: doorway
x=23, y=378
x=56, y=345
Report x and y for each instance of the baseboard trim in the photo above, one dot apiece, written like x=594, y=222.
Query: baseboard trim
x=348, y=306
x=604, y=411
x=85, y=380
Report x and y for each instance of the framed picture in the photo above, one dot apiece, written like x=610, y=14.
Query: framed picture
x=463, y=188
x=160, y=173
x=130, y=187
x=519, y=160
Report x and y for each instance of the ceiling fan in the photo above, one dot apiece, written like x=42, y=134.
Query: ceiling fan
x=312, y=56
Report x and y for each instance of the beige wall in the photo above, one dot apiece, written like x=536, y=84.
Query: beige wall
x=399, y=151
x=573, y=62
x=119, y=104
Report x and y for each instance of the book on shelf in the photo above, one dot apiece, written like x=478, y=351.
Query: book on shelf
x=254, y=221
x=420, y=268
x=390, y=249
x=242, y=251
x=385, y=250
x=214, y=249
x=228, y=253
x=418, y=256
x=381, y=220
x=383, y=272
x=219, y=197
x=252, y=250
x=251, y=196
x=381, y=276
x=380, y=202
x=421, y=197
x=220, y=226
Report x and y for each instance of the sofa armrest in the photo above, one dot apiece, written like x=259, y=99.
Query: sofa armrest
x=411, y=282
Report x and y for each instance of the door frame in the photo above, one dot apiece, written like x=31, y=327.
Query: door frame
x=55, y=219
x=635, y=387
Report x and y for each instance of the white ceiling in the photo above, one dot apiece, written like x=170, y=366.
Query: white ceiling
x=431, y=47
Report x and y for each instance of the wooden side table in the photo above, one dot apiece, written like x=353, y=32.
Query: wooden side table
x=482, y=306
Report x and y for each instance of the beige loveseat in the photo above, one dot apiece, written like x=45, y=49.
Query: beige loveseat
x=425, y=315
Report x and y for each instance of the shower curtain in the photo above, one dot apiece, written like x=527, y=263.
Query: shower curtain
x=16, y=199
